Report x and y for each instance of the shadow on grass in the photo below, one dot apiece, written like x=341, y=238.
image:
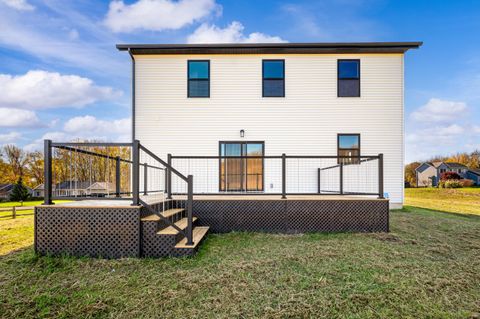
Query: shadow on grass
x=429, y=211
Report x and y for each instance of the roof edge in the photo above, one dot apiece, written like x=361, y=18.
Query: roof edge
x=245, y=48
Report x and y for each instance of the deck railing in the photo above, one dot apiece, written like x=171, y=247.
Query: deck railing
x=281, y=175
x=112, y=171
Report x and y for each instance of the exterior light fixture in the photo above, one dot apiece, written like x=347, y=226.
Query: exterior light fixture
x=242, y=133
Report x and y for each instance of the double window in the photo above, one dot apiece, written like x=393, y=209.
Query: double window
x=198, y=78
x=348, y=145
x=348, y=82
x=273, y=73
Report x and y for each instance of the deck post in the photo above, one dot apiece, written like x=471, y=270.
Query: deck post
x=380, y=176
x=284, y=176
x=145, y=181
x=117, y=176
x=47, y=171
x=341, y=178
x=136, y=173
x=169, y=176
x=318, y=180
x=190, y=210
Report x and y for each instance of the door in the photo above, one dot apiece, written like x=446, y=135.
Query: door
x=238, y=172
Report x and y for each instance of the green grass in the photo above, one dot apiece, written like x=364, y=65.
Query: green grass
x=28, y=203
x=17, y=233
x=427, y=267
x=459, y=200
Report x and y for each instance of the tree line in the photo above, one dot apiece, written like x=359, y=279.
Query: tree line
x=67, y=165
x=471, y=160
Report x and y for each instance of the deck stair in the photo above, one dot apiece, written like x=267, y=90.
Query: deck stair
x=160, y=239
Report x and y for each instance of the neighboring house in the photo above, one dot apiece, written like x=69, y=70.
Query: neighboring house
x=77, y=188
x=474, y=175
x=429, y=173
x=6, y=190
x=270, y=99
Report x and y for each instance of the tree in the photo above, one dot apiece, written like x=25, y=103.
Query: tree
x=17, y=160
x=19, y=192
x=410, y=174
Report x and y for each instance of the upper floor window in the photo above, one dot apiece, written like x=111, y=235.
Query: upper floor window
x=198, y=78
x=273, y=78
x=348, y=84
x=348, y=145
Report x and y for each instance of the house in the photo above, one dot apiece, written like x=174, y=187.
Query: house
x=474, y=175
x=279, y=137
x=429, y=173
x=6, y=190
x=292, y=98
x=73, y=188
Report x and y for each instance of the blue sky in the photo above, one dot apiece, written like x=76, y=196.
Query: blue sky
x=61, y=76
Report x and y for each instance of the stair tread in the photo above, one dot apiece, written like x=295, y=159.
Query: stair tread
x=198, y=233
x=167, y=213
x=182, y=224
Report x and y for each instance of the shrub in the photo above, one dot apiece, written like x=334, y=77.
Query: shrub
x=452, y=183
x=466, y=182
x=449, y=175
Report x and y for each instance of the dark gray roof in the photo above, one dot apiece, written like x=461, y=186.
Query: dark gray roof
x=72, y=185
x=455, y=165
x=271, y=48
x=475, y=171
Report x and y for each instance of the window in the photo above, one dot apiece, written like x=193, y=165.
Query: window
x=273, y=78
x=348, y=145
x=198, y=78
x=348, y=84
x=239, y=173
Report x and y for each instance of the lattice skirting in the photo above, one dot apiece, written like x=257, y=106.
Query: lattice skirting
x=80, y=231
x=293, y=216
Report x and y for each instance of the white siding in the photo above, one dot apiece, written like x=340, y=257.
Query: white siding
x=305, y=122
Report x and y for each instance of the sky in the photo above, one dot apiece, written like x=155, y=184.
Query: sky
x=62, y=78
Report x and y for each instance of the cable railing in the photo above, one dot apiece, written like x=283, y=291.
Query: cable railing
x=281, y=175
x=114, y=171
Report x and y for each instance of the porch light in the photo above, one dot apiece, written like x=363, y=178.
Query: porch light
x=242, y=133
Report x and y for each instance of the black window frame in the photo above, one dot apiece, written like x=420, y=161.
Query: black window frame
x=354, y=159
x=277, y=79
x=243, y=188
x=188, y=79
x=339, y=79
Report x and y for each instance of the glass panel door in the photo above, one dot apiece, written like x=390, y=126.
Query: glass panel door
x=241, y=174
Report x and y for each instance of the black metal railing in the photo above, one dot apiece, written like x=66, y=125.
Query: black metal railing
x=282, y=174
x=113, y=171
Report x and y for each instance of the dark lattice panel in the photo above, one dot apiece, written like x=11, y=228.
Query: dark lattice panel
x=97, y=232
x=337, y=216
x=292, y=216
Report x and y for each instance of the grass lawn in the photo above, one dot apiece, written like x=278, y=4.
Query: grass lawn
x=16, y=233
x=427, y=267
x=459, y=200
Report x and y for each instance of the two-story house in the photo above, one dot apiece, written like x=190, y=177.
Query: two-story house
x=270, y=99
x=430, y=173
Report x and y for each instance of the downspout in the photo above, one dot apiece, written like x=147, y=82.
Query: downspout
x=133, y=94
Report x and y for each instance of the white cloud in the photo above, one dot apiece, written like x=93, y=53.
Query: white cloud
x=41, y=90
x=156, y=15
x=437, y=110
x=87, y=128
x=91, y=126
x=10, y=117
x=233, y=33
x=21, y=5
x=8, y=138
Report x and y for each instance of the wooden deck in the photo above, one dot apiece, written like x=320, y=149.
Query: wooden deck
x=158, y=199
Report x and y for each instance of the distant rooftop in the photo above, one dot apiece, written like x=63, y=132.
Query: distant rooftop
x=271, y=48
